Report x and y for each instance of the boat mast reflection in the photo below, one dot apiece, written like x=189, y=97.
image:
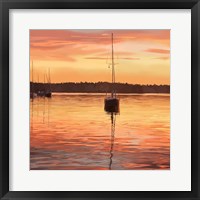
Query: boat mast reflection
x=113, y=120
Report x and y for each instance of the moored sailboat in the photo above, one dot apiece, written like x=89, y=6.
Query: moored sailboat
x=111, y=103
x=33, y=94
x=48, y=91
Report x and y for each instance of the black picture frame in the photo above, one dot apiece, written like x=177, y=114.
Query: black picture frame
x=5, y=5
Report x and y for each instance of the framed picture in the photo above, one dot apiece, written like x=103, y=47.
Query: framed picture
x=99, y=99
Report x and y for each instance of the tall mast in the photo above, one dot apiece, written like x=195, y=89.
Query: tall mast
x=32, y=71
x=32, y=78
x=49, y=80
x=49, y=76
x=113, y=70
x=44, y=84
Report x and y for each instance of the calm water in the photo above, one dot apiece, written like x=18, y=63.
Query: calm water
x=72, y=131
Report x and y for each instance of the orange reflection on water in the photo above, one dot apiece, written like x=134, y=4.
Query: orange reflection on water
x=72, y=131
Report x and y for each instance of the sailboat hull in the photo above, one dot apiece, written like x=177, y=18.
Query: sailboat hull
x=48, y=94
x=111, y=105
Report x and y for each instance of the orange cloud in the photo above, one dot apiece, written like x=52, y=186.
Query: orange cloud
x=49, y=39
x=160, y=51
x=129, y=58
x=162, y=58
x=103, y=58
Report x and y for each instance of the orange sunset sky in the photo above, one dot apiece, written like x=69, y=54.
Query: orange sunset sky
x=141, y=56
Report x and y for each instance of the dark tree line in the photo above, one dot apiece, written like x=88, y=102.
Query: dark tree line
x=99, y=87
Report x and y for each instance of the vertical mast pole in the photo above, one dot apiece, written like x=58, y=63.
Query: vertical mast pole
x=49, y=81
x=44, y=84
x=113, y=70
x=49, y=77
x=112, y=61
x=32, y=79
x=32, y=71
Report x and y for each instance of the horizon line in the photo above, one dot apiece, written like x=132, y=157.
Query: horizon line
x=99, y=82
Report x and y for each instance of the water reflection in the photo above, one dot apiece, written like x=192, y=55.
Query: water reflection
x=112, y=139
x=73, y=132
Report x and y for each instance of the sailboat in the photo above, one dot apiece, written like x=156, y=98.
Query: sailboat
x=111, y=103
x=48, y=91
x=32, y=92
x=41, y=93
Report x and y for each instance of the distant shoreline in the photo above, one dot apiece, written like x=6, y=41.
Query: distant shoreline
x=104, y=94
x=99, y=87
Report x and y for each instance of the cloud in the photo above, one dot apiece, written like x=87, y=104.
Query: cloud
x=93, y=44
x=159, y=51
x=117, y=53
x=46, y=47
x=96, y=58
x=103, y=58
x=162, y=58
x=130, y=58
x=57, y=38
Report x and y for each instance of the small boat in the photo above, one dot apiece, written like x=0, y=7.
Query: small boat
x=48, y=92
x=111, y=103
x=33, y=94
